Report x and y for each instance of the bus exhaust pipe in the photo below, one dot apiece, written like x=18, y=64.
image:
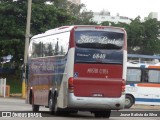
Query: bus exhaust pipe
x=117, y=105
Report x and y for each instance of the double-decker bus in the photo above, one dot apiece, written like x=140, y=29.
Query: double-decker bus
x=143, y=80
x=78, y=68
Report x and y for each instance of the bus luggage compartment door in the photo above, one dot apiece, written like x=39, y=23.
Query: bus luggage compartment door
x=98, y=87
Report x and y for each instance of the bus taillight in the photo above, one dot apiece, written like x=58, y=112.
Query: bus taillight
x=71, y=84
x=123, y=86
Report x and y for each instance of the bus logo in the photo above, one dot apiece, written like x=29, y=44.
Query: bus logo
x=76, y=74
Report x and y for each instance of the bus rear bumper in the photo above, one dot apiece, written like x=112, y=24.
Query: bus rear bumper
x=98, y=103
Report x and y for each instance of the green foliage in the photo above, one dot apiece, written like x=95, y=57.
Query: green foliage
x=81, y=14
x=143, y=37
x=135, y=36
x=150, y=43
x=44, y=16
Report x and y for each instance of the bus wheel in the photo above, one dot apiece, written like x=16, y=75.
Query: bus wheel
x=35, y=108
x=53, y=104
x=129, y=101
x=105, y=114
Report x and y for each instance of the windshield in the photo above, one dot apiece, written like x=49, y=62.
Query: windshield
x=99, y=39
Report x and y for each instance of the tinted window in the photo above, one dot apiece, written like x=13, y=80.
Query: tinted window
x=99, y=39
x=51, y=45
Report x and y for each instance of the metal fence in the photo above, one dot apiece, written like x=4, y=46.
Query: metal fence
x=3, y=87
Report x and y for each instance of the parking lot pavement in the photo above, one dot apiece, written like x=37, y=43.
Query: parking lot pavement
x=146, y=107
x=6, y=103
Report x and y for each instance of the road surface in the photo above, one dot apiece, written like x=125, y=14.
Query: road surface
x=18, y=105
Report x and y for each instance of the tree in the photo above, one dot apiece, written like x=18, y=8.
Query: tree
x=143, y=36
x=44, y=16
x=135, y=35
x=13, y=23
x=80, y=15
x=151, y=43
x=47, y=16
x=11, y=33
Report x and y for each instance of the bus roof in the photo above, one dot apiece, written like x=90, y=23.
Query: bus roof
x=149, y=61
x=143, y=56
x=52, y=31
x=69, y=28
x=138, y=65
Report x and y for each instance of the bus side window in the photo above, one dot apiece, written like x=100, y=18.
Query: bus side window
x=133, y=75
x=154, y=76
x=51, y=45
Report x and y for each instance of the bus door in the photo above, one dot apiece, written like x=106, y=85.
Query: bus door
x=142, y=94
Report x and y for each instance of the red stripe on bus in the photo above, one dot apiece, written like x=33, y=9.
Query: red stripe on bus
x=72, y=42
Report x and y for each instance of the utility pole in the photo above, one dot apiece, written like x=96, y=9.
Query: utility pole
x=27, y=37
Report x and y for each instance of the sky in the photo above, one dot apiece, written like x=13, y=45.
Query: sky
x=127, y=8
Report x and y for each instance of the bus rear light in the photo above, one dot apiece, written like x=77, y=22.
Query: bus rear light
x=71, y=84
x=123, y=86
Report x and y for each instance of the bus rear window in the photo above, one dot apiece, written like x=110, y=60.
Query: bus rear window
x=99, y=39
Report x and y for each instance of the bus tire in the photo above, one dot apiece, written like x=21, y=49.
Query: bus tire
x=35, y=108
x=129, y=101
x=104, y=114
x=53, y=104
